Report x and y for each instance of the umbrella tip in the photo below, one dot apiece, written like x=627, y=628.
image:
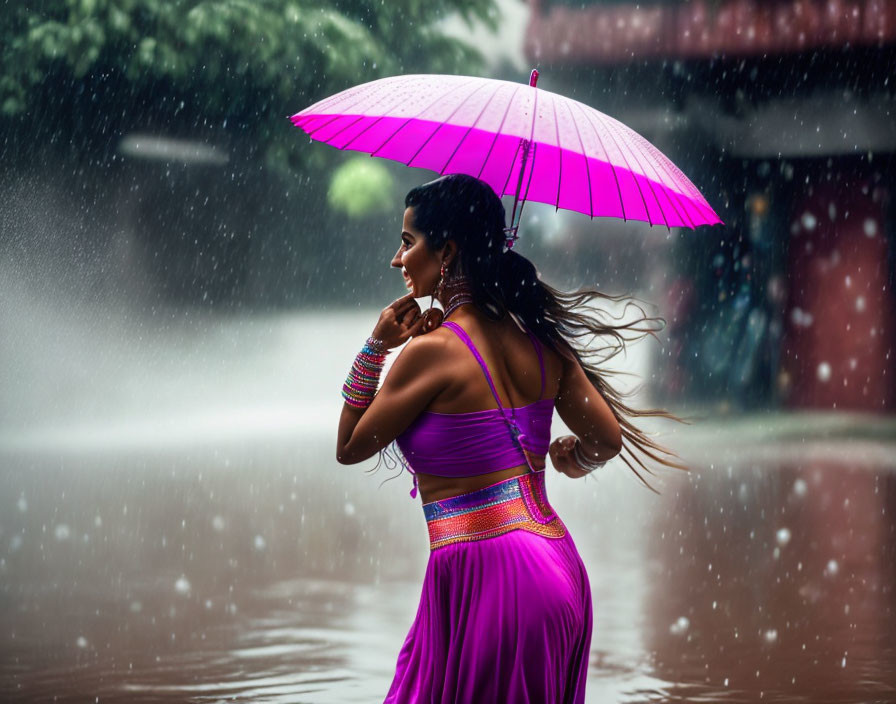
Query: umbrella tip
x=533, y=77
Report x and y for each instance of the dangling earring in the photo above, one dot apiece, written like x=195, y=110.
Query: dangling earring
x=440, y=285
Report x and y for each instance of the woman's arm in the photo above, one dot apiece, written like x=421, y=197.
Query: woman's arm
x=586, y=414
x=414, y=380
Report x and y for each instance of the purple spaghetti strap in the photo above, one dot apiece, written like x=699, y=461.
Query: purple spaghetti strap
x=461, y=333
x=515, y=430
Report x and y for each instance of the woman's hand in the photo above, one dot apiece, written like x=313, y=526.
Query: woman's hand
x=399, y=321
x=561, y=452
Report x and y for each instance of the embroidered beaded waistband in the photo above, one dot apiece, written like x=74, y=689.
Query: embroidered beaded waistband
x=519, y=503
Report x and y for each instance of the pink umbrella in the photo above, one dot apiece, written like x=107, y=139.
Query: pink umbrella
x=528, y=143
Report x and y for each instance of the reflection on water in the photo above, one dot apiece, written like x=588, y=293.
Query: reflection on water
x=783, y=588
x=173, y=527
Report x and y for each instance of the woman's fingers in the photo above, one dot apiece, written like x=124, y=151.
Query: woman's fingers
x=412, y=310
x=416, y=326
x=411, y=322
x=561, y=453
x=402, y=302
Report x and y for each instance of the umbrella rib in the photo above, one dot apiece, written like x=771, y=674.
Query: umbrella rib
x=531, y=135
x=629, y=167
x=498, y=134
x=519, y=218
x=359, y=118
x=683, y=211
x=417, y=116
x=634, y=154
x=560, y=150
x=512, y=162
x=469, y=130
x=445, y=121
x=529, y=180
x=372, y=124
x=609, y=161
x=665, y=190
x=341, y=129
x=680, y=211
x=584, y=156
x=317, y=129
x=321, y=105
x=360, y=98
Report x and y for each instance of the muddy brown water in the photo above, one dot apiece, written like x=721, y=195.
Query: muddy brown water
x=248, y=583
x=164, y=553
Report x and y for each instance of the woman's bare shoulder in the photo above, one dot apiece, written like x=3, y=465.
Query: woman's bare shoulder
x=432, y=347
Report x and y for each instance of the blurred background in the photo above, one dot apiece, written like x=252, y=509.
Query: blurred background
x=185, y=279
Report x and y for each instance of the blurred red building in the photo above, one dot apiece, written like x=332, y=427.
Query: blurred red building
x=784, y=114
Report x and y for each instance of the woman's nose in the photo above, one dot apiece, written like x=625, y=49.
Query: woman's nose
x=396, y=260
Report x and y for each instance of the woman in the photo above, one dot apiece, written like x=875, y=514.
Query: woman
x=505, y=613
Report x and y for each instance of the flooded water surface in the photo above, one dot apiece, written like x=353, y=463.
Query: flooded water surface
x=174, y=527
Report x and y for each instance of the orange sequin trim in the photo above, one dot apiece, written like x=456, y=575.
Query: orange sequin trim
x=493, y=511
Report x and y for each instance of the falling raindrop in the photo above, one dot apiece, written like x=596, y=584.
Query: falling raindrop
x=801, y=318
x=783, y=536
x=808, y=221
x=680, y=627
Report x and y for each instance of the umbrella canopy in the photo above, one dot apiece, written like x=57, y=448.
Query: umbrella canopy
x=522, y=141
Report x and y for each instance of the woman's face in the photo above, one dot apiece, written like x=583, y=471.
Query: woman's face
x=419, y=266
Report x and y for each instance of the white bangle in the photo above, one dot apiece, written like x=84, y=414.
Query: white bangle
x=586, y=464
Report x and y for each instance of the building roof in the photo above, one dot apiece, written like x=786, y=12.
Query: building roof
x=603, y=33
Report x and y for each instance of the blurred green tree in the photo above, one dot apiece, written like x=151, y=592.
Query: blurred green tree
x=84, y=72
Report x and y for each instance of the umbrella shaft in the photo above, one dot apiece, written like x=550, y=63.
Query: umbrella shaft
x=519, y=186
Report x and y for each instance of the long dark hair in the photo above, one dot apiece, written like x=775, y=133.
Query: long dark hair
x=464, y=209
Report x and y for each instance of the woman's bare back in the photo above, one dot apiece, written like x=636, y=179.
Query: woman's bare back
x=513, y=363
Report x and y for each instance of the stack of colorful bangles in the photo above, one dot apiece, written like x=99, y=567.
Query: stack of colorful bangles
x=364, y=377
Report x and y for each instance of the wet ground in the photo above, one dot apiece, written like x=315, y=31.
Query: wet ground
x=173, y=527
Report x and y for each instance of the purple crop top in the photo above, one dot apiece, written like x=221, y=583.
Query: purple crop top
x=478, y=442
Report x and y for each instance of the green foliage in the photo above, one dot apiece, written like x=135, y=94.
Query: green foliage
x=362, y=186
x=239, y=65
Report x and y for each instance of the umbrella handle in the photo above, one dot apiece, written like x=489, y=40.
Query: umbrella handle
x=512, y=232
x=517, y=217
x=510, y=236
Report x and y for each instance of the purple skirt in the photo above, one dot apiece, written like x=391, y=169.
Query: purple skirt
x=505, y=613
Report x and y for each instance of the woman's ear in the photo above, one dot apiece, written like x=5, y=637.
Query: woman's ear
x=449, y=253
